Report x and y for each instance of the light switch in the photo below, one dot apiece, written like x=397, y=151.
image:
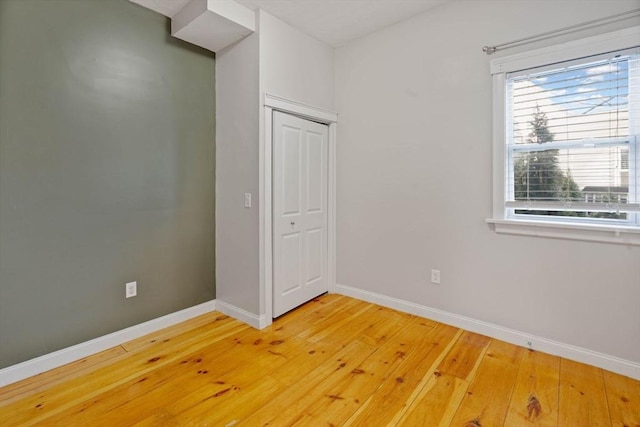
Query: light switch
x=247, y=200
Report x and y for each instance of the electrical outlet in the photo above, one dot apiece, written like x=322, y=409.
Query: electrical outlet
x=131, y=289
x=247, y=200
x=435, y=276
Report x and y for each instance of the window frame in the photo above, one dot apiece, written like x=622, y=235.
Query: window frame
x=554, y=227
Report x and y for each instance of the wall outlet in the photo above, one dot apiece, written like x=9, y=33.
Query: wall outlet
x=131, y=289
x=247, y=200
x=435, y=276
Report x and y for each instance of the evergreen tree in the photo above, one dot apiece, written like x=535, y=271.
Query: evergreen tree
x=540, y=133
x=570, y=190
x=537, y=176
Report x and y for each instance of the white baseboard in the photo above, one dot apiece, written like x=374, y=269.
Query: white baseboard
x=604, y=361
x=251, y=319
x=58, y=358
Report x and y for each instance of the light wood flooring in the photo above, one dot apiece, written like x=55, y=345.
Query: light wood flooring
x=335, y=361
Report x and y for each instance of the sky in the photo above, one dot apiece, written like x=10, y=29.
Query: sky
x=586, y=104
x=580, y=102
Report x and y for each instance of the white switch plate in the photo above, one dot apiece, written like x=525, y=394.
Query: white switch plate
x=131, y=289
x=435, y=276
x=247, y=200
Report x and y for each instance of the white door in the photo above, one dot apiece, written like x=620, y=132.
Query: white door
x=299, y=211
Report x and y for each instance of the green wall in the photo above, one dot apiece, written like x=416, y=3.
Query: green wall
x=107, y=157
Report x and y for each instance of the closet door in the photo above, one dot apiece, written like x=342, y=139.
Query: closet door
x=299, y=211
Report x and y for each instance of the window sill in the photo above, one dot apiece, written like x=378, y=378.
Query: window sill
x=586, y=232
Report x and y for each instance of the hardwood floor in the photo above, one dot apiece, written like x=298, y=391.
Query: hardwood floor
x=335, y=361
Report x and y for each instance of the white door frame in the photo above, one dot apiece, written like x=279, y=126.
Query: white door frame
x=304, y=111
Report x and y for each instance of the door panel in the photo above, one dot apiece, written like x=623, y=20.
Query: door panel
x=291, y=248
x=291, y=184
x=299, y=211
x=314, y=254
x=315, y=173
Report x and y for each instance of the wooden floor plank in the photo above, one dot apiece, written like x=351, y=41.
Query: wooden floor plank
x=583, y=400
x=176, y=330
x=437, y=402
x=246, y=399
x=290, y=404
x=231, y=409
x=489, y=393
x=391, y=322
x=392, y=398
x=623, y=396
x=339, y=401
x=246, y=377
x=349, y=324
x=333, y=361
x=464, y=358
x=318, y=312
x=45, y=380
x=293, y=407
x=535, y=397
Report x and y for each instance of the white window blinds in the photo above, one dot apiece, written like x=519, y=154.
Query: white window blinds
x=571, y=139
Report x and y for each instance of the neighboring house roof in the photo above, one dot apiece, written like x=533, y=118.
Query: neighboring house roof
x=605, y=189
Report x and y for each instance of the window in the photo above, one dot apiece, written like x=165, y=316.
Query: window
x=566, y=139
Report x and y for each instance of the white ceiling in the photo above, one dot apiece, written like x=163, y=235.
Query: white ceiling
x=335, y=22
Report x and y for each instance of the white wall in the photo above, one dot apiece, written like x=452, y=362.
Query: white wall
x=279, y=60
x=237, y=135
x=294, y=65
x=414, y=183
